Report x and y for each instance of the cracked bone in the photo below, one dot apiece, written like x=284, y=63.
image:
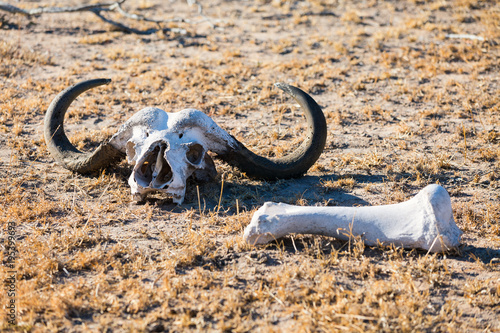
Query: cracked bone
x=424, y=222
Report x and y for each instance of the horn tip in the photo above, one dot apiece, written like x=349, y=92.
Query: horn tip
x=281, y=85
x=285, y=87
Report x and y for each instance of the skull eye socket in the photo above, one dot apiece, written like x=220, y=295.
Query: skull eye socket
x=195, y=153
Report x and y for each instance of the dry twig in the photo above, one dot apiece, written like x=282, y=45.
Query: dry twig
x=98, y=8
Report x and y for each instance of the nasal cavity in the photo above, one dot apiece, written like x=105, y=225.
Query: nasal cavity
x=163, y=172
x=145, y=172
x=155, y=170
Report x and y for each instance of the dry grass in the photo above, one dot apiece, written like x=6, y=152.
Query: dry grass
x=405, y=105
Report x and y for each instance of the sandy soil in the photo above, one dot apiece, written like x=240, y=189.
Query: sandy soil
x=407, y=105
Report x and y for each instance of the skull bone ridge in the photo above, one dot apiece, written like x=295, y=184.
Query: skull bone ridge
x=165, y=149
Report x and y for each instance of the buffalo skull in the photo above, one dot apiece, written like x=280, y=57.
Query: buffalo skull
x=167, y=148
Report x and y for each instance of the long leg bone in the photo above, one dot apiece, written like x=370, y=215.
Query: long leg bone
x=424, y=222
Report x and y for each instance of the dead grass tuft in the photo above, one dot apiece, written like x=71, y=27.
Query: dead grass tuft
x=406, y=105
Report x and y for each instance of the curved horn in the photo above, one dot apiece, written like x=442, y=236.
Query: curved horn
x=57, y=141
x=298, y=162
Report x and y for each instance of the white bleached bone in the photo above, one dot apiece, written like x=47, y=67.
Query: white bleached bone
x=167, y=148
x=424, y=222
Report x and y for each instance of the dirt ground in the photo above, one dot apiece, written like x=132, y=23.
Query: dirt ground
x=411, y=93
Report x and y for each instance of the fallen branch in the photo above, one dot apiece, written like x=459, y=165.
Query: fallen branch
x=99, y=8
x=124, y=27
x=53, y=10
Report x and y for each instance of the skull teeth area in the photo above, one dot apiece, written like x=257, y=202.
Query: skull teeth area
x=154, y=171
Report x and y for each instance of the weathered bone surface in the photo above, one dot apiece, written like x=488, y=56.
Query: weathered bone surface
x=424, y=222
x=167, y=148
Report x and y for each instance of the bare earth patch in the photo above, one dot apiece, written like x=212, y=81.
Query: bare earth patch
x=407, y=104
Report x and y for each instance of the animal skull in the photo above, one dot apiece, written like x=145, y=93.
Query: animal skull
x=424, y=222
x=165, y=149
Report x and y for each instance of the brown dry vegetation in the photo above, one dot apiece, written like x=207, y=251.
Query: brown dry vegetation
x=406, y=106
